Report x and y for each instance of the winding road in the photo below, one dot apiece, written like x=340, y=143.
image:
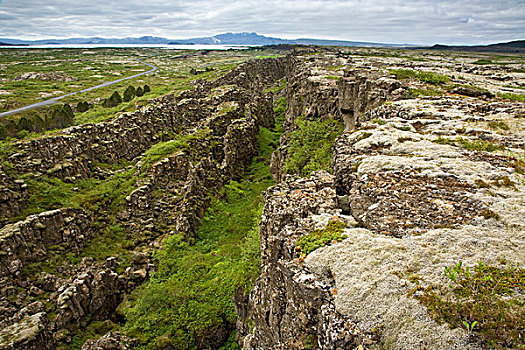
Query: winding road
x=57, y=99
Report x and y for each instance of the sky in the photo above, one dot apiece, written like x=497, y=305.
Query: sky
x=386, y=21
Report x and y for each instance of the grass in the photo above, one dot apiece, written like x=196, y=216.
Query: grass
x=310, y=146
x=482, y=295
x=161, y=150
x=333, y=232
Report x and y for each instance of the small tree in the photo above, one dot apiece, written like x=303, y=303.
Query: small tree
x=113, y=101
x=129, y=94
x=139, y=92
x=82, y=106
x=146, y=89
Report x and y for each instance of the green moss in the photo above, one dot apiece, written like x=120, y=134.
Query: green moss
x=512, y=97
x=425, y=77
x=320, y=238
x=162, y=150
x=94, y=330
x=484, y=295
x=332, y=77
x=498, y=124
x=504, y=181
x=489, y=214
x=471, y=145
x=423, y=92
x=310, y=146
x=379, y=121
x=478, y=145
x=311, y=342
x=403, y=73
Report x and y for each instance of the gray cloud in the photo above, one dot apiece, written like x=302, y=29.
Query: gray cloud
x=394, y=21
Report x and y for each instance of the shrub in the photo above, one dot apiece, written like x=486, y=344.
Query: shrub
x=146, y=89
x=82, y=106
x=113, y=101
x=139, y=92
x=129, y=94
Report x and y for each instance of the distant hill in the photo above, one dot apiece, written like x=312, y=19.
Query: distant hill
x=517, y=46
x=245, y=38
x=6, y=44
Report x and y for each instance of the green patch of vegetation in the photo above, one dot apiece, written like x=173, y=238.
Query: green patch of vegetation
x=498, y=124
x=515, y=87
x=512, y=97
x=423, y=92
x=403, y=73
x=310, y=146
x=403, y=128
x=504, y=181
x=483, y=61
x=332, y=77
x=405, y=139
x=310, y=342
x=379, y=121
x=423, y=76
x=278, y=88
x=432, y=78
x=333, y=232
x=161, y=150
x=47, y=193
x=471, y=145
x=364, y=135
x=489, y=214
x=478, y=145
x=481, y=184
x=483, y=299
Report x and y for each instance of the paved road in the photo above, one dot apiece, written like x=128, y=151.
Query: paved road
x=57, y=99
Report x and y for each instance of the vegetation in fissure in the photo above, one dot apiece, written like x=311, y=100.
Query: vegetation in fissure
x=191, y=294
x=310, y=146
x=485, y=300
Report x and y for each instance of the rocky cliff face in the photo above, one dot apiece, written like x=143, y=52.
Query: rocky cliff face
x=420, y=185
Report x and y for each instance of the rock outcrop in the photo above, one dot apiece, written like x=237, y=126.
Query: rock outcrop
x=421, y=183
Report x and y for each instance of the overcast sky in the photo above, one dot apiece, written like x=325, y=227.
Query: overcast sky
x=387, y=21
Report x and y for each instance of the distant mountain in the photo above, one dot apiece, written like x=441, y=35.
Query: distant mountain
x=221, y=39
x=517, y=46
x=6, y=44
